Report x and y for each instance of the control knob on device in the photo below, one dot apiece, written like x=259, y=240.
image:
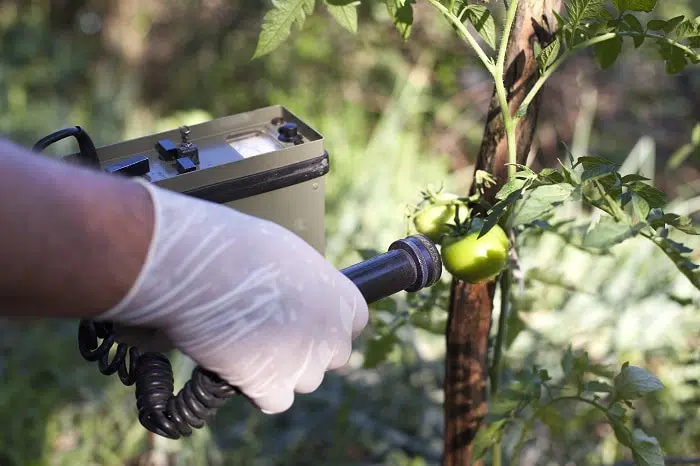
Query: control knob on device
x=289, y=132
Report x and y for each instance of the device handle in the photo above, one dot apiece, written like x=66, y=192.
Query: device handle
x=411, y=264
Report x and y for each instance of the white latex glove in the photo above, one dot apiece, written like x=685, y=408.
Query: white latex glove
x=244, y=298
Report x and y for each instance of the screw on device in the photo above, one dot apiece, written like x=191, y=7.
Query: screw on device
x=187, y=149
x=410, y=264
x=185, y=135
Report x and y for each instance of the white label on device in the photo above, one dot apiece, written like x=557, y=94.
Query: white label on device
x=255, y=144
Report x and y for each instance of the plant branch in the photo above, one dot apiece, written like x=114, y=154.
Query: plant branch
x=615, y=209
x=589, y=43
x=672, y=42
x=509, y=126
x=509, y=123
x=465, y=34
x=496, y=364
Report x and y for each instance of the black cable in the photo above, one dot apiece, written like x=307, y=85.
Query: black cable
x=159, y=410
x=87, y=154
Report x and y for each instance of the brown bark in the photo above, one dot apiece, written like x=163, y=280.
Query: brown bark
x=466, y=366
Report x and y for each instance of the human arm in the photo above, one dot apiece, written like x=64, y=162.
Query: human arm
x=73, y=240
x=244, y=297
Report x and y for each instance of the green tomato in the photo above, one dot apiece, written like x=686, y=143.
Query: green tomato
x=472, y=259
x=432, y=221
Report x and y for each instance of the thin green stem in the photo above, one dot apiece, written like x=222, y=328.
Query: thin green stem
x=509, y=124
x=509, y=127
x=503, y=48
x=615, y=210
x=497, y=363
x=531, y=421
x=465, y=34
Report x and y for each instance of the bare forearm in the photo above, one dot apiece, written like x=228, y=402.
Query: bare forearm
x=73, y=240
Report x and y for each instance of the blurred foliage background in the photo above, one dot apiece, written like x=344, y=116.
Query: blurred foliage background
x=396, y=116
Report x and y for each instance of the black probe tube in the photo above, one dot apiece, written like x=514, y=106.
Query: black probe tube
x=410, y=264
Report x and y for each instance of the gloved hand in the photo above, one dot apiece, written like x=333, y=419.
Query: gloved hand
x=244, y=298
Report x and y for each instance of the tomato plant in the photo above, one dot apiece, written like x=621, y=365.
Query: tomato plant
x=626, y=204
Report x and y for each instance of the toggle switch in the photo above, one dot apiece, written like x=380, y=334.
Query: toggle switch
x=187, y=148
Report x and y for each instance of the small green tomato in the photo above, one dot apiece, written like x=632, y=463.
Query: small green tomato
x=472, y=259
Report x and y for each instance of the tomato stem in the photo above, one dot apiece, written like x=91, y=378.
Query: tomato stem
x=509, y=125
x=509, y=122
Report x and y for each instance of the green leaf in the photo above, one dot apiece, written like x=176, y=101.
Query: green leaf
x=598, y=387
x=549, y=55
x=646, y=450
x=487, y=437
x=630, y=178
x=579, y=11
x=483, y=22
x=567, y=361
x=640, y=207
x=675, y=58
x=401, y=12
x=590, y=162
x=540, y=201
x=617, y=412
x=685, y=29
x=635, y=26
x=634, y=382
x=500, y=209
x=607, y=233
x=607, y=52
x=622, y=433
x=672, y=23
x=635, y=5
x=571, y=176
x=658, y=219
x=378, y=350
x=677, y=253
x=278, y=22
x=513, y=329
x=654, y=197
x=656, y=25
x=597, y=170
x=345, y=13
x=551, y=176
x=513, y=185
x=552, y=419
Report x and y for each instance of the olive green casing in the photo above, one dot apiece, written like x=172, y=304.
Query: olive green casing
x=285, y=186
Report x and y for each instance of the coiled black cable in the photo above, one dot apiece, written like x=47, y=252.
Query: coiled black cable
x=159, y=410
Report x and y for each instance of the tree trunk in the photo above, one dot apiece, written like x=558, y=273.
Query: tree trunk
x=469, y=321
